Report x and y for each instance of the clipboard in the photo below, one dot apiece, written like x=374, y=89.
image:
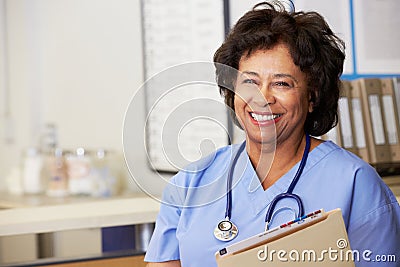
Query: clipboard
x=318, y=239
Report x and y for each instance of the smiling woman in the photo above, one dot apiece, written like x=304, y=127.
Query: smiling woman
x=274, y=93
x=285, y=90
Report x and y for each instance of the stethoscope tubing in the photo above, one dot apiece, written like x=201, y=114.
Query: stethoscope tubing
x=288, y=194
x=228, y=209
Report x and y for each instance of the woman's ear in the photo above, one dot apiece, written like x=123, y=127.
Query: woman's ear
x=312, y=97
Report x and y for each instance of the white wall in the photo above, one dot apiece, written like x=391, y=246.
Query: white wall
x=75, y=63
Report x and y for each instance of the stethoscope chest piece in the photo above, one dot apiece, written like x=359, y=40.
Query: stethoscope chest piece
x=225, y=230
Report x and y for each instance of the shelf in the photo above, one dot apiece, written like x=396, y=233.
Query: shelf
x=25, y=217
x=387, y=169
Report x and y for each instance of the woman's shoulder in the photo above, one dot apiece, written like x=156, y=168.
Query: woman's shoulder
x=348, y=168
x=367, y=191
x=335, y=155
x=364, y=178
x=201, y=181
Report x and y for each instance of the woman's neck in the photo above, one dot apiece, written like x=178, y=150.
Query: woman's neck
x=271, y=164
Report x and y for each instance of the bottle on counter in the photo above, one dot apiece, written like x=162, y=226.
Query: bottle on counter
x=57, y=174
x=79, y=173
x=104, y=181
x=32, y=178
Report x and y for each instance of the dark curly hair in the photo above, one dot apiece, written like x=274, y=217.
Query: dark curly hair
x=314, y=48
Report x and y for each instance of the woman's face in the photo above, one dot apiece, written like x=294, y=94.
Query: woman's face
x=271, y=95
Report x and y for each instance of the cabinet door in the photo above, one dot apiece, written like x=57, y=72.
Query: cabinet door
x=132, y=261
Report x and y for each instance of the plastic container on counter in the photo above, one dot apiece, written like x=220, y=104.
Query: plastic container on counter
x=104, y=180
x=56, y=174
x=80, y=180
x=32, y=178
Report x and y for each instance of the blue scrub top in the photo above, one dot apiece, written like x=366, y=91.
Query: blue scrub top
x=195, y=201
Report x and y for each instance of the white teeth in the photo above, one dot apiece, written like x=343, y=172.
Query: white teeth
x=259, y=117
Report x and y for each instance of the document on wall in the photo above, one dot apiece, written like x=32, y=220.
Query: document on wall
x=376, y=25
x=337, y=14
x=186, y=117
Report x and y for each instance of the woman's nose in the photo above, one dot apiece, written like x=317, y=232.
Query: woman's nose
x=264, y=97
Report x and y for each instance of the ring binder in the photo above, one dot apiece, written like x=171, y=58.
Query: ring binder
x=370, y=94
x=391, y=118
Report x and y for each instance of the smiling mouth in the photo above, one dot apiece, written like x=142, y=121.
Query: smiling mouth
x=264, y=118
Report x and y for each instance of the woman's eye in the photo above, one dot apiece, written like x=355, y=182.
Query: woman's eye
x=282, y=84
x=250, y=81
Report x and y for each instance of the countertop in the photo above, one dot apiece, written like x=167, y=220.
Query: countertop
x=41, y=214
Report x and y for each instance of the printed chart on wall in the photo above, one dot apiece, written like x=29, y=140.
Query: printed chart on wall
x=337, y=14
x=186, y=116
x=376, y=30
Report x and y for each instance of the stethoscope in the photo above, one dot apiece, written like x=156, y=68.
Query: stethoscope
x=226, y=230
